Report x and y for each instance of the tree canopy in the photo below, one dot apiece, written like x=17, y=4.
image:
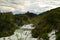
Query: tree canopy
x=7, y=25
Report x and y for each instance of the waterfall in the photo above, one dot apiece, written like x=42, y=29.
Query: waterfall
x=24, y=33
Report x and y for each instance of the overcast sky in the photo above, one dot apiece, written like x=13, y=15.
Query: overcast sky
x=28, y=5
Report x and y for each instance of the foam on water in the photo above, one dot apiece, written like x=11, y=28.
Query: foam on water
x=24, y=33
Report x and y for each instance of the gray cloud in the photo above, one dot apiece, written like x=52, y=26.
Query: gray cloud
x=28, y=5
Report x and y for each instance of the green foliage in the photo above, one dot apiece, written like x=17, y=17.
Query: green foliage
x=45, y=36
x=46, y=22
x=21, y=19
x=7, y=25
x=35, y=33
x=57, y=35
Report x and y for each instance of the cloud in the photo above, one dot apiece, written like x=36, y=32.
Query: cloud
x=6, y=9
x=28, y=5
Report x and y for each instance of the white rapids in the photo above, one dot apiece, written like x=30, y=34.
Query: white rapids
x=24, y=33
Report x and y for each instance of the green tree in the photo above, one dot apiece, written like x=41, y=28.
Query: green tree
x=7, y=25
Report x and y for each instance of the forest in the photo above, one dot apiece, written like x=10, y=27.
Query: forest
x=44, y=23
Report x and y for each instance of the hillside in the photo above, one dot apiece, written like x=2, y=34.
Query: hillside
x=46, y=22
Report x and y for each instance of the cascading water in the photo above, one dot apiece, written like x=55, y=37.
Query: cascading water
x=24, y=33
x=52, y=35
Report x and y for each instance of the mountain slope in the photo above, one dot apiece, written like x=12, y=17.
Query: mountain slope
x=46, y=22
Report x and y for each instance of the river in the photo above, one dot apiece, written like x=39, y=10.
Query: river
x=24, y=33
